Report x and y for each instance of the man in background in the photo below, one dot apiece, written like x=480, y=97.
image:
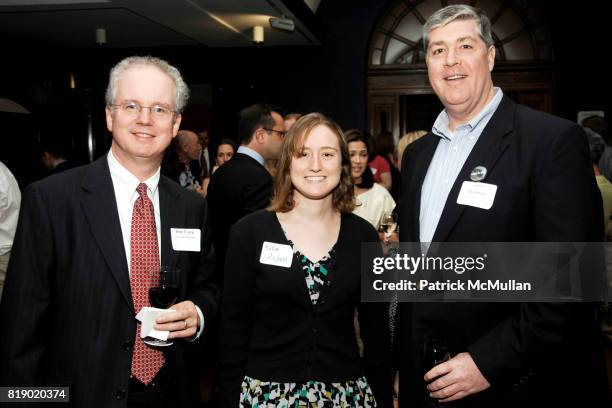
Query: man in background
x=205, y=155
x=243, y=185
x=53, y=158
x=189, y=151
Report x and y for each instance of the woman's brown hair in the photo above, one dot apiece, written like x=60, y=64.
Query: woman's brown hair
x=342, y=196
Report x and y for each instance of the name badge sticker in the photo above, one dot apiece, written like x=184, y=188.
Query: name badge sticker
x=185, y=239
x=476, y=194
x=276, y=254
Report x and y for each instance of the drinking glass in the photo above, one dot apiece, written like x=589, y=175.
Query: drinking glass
x=388, y=224
x=434, y=352
x=163, y=296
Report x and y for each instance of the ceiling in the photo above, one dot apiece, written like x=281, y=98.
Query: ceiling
x=151, y=23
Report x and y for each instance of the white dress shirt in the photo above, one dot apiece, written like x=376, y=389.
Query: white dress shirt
x=10, y=200
x=124, y=184
x=206, y=158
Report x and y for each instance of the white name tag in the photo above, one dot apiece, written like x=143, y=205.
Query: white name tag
x=185, y=239
x=276, y=254
x=479, y=195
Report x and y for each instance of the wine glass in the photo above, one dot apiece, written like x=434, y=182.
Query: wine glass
x=434, y=352
x=163, y=296
x=388, y=224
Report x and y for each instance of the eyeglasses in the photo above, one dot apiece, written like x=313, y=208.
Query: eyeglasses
x=158, y=112
x=280, y=132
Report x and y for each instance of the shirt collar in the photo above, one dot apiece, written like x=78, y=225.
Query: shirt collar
x=126, y=180
x=252, y=153
x=441, y=126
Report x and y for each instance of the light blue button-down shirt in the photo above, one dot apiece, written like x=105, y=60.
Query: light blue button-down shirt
x=451, y=153
x=252, y=153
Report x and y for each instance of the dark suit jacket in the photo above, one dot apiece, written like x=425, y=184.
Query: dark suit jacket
x=271, y=331
x=545, y=192
x=239, y=187
x=67, y=311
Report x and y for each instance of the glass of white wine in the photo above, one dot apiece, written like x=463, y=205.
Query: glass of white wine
x=388, y=224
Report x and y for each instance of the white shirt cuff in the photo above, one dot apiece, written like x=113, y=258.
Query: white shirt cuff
x=201, y=329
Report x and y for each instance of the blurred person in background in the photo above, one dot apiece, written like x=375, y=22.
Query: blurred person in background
x=372, y=200
x=404, y=142
x=225, y=151
x=10, y=200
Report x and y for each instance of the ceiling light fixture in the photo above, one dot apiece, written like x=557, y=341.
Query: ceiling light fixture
x=258, y=35
x=100, y=36
x=284, y=24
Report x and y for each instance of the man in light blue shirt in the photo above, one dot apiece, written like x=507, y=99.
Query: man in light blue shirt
x=494, y=171
x=243, y=185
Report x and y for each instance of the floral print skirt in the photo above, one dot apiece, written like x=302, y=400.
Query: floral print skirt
x=311, y=394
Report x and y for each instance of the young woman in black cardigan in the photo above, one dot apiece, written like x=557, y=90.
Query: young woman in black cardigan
x=292, y=283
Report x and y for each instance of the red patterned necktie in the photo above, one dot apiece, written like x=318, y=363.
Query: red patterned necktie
x=144, y=264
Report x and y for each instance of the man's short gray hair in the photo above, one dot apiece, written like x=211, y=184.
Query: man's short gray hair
x=455, y=12
x=181, y=89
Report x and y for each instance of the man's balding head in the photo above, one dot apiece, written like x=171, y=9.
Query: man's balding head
x=188, y=145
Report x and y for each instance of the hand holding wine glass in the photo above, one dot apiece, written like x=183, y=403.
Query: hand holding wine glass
x=163, y=296
x=182, y=323
x=435, y=352
x=455, y=379
x=184, y=320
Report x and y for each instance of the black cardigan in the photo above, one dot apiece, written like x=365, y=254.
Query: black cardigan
x=271, y=331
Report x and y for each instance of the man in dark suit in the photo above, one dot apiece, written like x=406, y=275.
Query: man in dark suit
x=53, y=157
x=243, y=185
x=503, y=354
x=86, y=252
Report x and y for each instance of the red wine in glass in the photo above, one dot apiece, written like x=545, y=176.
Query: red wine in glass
x=163, y=297
x=166, y=293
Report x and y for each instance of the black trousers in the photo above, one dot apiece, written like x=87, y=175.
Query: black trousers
x=156, y=394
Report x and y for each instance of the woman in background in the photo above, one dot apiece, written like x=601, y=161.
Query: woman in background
x=292, y=282
x=372, y=199
x=225, y=151
x=404, y=142
x=384, y=147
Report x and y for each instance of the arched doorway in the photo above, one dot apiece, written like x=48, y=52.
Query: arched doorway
x=399, y=97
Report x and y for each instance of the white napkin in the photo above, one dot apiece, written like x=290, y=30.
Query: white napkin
x=147, y=316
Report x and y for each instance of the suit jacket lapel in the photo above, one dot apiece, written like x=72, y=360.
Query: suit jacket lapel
x=100, y=208
x=488, y=149
x=171, y=216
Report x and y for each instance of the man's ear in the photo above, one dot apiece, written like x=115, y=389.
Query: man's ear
x=109, y=119
x=260, y=135
x=491, y=57
x=176, y=125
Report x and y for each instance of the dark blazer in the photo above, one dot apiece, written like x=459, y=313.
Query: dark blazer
x=67, y=311
x=532, y=353
x=271, y=331
x=239, y=187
